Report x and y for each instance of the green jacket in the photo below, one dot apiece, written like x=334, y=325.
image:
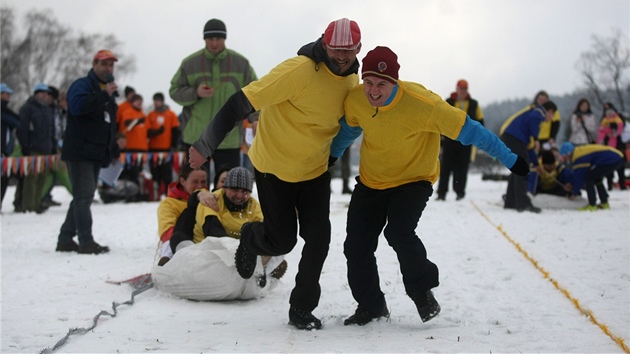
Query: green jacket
x=226, y=72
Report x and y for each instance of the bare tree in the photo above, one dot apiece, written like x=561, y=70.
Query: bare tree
x=604, y=68
x=49, y=52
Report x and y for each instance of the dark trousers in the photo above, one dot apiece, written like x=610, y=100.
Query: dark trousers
x=595, y=180
x=162, y=174
x=4, y=183
x=455, y=159
x=398, y=211
x=285, y=205
x=516, y=196
x=83, y=178
x=621, y=170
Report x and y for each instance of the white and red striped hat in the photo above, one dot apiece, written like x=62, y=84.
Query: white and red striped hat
x=342, y=34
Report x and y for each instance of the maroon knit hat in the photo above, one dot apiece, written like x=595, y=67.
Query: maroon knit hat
x=342, y=34
x=381, y=62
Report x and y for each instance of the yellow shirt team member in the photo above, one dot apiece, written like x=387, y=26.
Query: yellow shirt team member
x=401, y=123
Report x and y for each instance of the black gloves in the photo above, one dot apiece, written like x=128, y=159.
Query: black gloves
x=520, y=167
x=331, y=161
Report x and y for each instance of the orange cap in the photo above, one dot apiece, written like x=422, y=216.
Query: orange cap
x=105, y=54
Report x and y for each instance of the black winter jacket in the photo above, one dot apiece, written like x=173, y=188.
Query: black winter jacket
x=91, y=127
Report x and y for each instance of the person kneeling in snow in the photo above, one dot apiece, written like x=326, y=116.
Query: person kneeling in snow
x=550, y=177
x=204, y=242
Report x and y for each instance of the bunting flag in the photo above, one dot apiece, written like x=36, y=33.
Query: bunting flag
x=32, y=165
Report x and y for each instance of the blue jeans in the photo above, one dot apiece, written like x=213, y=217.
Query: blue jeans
x=83, y=178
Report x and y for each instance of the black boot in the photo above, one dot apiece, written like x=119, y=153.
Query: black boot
x=245, y=261
x=303, y=319
x=426, y=304
x=362, y=316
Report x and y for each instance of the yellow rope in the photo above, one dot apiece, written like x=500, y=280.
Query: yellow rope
x=576, y=303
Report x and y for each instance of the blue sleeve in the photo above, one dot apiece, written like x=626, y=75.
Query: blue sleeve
x=344, y=138
x=474, y=133
x=10, y=120
x=566, y=176
x=578, y=179
x=83, y=100
x=77, y=96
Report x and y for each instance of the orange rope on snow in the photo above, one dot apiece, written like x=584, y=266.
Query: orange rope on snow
x=620, y=341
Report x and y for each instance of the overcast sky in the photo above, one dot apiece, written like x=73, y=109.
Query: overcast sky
x=504, y=48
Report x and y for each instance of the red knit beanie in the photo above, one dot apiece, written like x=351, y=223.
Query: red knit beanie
x=381, y=62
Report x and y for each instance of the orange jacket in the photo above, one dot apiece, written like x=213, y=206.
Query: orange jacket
x=133, y=125
x=156, y=120
x=125, y=105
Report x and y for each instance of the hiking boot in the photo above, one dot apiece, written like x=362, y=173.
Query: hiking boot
x=279, y=271
x=441, y=197
x=460, y=196
x=163, y=261
x=604, y=206
x=426, y=304
x=303, y=319
x=588, y=207
x=362, y=316
x=245, y=261
x=93, y=248
x=67, y=247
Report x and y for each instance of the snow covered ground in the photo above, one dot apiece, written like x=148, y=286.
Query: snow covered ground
x=558, y=281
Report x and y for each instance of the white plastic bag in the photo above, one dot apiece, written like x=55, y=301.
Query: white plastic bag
x=206, y=271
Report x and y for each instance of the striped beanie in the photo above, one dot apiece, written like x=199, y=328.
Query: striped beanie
x=214, y=29
x=239, y=177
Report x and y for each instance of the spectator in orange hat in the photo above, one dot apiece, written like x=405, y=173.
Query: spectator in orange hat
x=456, y=157
x=163, y=132
x=89, y=144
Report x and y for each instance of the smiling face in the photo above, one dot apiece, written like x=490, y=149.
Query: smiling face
x=237, y=196
x=196, y=179
x=343, y=58
x=377, y=90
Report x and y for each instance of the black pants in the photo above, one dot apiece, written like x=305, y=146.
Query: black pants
x=621, y=170
x=398, y=211
x=516, y=195
x=285, y=205
x=594, y=180
x=4, y=183
x=162, y=172
x=83, y=177
x=455, y=159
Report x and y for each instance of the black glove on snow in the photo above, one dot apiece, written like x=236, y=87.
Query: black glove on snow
x=520, y=167
x=331, y=161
